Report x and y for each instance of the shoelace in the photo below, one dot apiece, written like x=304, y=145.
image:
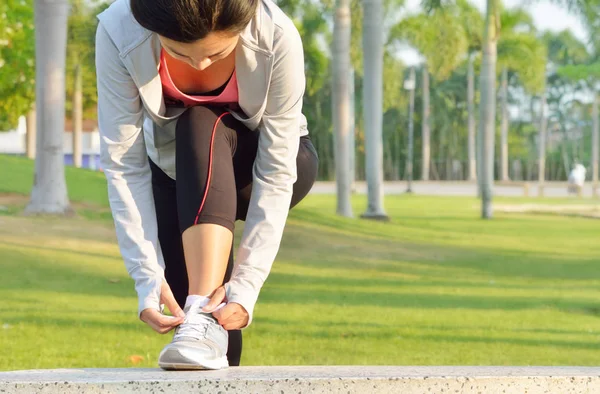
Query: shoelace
x=194, y=324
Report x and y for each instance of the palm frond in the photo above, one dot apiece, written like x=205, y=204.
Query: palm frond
x=432, y=5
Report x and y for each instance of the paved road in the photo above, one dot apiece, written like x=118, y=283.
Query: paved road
x=551, y=189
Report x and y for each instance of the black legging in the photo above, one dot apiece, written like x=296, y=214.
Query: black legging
x=210, y=140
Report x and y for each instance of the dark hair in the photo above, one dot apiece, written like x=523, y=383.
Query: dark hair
x=191, y=20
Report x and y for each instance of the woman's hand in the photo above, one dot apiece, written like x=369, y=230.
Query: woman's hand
x=232, y=316
x=164, y=323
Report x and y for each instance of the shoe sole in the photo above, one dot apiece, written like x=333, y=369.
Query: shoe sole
x=215, y=364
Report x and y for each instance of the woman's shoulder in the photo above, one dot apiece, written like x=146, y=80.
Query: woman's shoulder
x=121, y=26
x=271, y=29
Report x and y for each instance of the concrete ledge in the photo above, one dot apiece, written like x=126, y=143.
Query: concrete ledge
x=308, y=379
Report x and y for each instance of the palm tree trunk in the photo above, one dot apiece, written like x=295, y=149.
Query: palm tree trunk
x=411, y=137
x=542, y=144
x=30, y=134
x=373, y=105
x=397, y=154
x=341, y=106
x=487, y=109
x=471, y=122
x=565, y=159
x=352, y=139
x=504, y=128
x=595, y=142
x=425, y=132
x=77, y=118
x=49, y=193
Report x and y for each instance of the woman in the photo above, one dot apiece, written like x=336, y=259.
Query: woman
x=199, y=108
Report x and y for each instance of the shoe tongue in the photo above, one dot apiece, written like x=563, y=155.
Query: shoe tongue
x=194, y=314
x=197, y=304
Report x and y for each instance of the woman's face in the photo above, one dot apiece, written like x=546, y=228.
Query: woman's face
x=202, y=53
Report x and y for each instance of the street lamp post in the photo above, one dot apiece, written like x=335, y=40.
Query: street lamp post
x=409, y=85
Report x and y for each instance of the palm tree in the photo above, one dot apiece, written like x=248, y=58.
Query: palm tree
x=49, y=193
x=410, y=85
x=589, y=74
x=542, y=143
x=78, y=52
x=472, y=173
x=352, y=139
x=425, y=128
x=373, y=105
x=441, y=39
x=504, y=126
x=77, y=118
x=472, y=23
x=595, y=141
x=570, y=74
x=341, y=105
x=487, y=106
x=520, y=51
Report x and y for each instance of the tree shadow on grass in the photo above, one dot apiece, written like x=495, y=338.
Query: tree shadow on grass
x=55, y=249
x=386, y=332
x=570, y=344
x=427, y=276
x=65, y=227
x=356, y=326
x=346, y=251
x=79, y=321
x=295, y=296
x=22, y=271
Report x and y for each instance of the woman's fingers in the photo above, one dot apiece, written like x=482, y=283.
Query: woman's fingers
x=217, y=297
x=159, y=322
x=223, y=315
x=165, y=321
x=232, y=326
x=232, y=317
x=167, y=298
x=234, y=322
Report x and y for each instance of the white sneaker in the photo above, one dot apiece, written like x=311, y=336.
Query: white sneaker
x=200, y=342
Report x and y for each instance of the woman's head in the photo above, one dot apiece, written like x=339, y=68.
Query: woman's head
x=195, y=31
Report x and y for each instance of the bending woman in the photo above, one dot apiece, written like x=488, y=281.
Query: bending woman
x=200, y=116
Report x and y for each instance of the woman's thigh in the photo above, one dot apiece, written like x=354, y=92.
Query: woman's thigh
x=206, y=193
x=215, y=160
x=307, y=164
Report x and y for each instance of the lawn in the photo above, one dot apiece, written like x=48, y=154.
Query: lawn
x=435, y=286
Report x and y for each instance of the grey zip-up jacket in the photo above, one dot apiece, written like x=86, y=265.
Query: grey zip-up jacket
x=135, y=124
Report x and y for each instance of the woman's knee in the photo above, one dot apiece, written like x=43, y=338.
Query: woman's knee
x=196, y=129
x=198, y=118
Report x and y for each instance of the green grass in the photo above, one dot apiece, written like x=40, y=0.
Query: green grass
x=435, y=286
x=16, y=176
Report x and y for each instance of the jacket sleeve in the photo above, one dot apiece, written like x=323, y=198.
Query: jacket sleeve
x=274, y=173
x=125, y=164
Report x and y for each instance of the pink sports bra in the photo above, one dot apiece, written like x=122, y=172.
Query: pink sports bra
x=175, y=97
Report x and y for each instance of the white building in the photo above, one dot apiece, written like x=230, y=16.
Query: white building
x=13, y=143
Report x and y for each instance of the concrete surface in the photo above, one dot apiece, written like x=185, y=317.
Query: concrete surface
x=308, y=379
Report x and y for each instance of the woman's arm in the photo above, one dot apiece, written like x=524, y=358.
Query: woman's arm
x=125, y=163
x=274, y=173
